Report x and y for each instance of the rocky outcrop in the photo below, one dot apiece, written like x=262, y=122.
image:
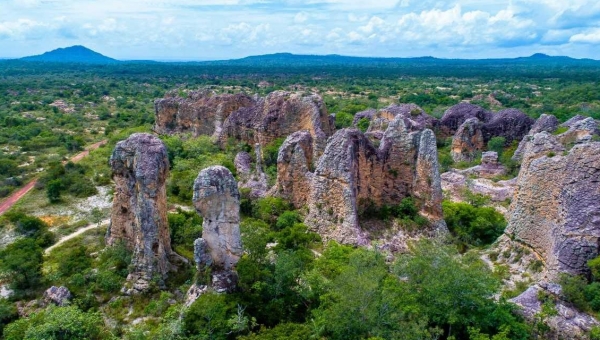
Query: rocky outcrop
x=568, y=323
x=140, y=166
x=353, y=175
x=512, y=124
x=249, y=119
x=489, y=167
x=581, y=131
x=201, y=113
x=59, y=296
x=251, y=176
x=468, y=143
x=415, y=118
x=278, y=115
x=217, y=200
x=455, y=183
x=456, y=115
x=556, y=207
x=546, y=123
x=294, y=163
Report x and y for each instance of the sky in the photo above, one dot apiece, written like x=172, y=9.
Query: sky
x=227, y=29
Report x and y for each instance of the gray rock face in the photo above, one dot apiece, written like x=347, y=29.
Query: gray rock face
x=59, y=296
x=353, y=175
x=253, y=179
x=569, y=323
x=140, y=167
x=546, y=123
x=556, y=208
x=581, y=131
x=249, y=119
x=456, y=115
x=201, y=113
x=468, y=141
x=217, y=200
x=368, y=114
x=512, y=124
x=415, y=119
x=294, y=163
x=489, y=167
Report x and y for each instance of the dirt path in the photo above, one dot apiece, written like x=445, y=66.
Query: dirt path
x=75, y=234
x=17, y=195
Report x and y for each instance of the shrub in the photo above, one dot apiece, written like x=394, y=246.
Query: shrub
x=363, y=124
x=472, y=225
x=497, y=144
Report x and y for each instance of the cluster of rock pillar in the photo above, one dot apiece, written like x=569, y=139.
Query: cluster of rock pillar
x=140, y=167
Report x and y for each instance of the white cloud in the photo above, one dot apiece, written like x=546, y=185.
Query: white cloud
x=233, y=28
x=589, y=37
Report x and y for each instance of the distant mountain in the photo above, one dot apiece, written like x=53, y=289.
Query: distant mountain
x=73, y=54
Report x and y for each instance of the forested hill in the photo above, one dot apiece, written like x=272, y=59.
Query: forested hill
x=73, y=54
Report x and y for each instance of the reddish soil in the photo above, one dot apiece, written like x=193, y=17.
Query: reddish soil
x=17, y=195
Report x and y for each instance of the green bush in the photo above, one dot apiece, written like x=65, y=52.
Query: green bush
x=497, y=144
x=21, y=261
x=472, y=225
x=270, y=208
x=363, y=124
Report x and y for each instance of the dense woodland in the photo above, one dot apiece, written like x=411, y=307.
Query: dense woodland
x=292, y=285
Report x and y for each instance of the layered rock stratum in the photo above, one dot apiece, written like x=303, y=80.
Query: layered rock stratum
x=140, y=167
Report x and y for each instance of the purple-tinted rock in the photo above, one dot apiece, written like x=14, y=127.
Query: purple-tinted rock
x=547, y=123
x=512, y=124
x=456, y=115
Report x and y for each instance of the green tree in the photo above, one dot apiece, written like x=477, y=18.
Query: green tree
x=21, y=264
x=53, y=189
x=497, y=144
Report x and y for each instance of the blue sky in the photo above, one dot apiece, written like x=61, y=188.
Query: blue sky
x=224, y=29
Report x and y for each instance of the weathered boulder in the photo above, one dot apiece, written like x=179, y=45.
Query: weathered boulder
x=489, y=167
x=455, y=182
x=456, y=115
x=581, y=131
x=367, y=114
x=201, y=113
x=294, y=163
x=569, y=123
x=547, y=123
x=140, y=166
x=512, y=124
x=468, y=143
x=217, y=200
x=59, y=296
x=252, y=178
x=556, y=207
x=415, y=118
x=354, y=175
x=568, y=323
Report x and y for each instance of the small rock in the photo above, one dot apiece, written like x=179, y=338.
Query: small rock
x=60, y=296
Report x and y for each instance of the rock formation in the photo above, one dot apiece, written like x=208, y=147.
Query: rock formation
x=468, y=143
x=415, y=119
x=489, y=167
x=568, y=323
x=547, y=123
x=217, y=200
x=249, y=178
x=353, y=175
x=249, y=119
x=140, y=167
x=556, y=207
x=294, y=163
x=59, y=296
x=512, y=124
x=456, y=115
x=201, y=113
x=580, y=131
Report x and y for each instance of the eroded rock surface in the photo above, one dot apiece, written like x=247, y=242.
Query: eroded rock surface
x=456, y=115
x=249, y=119
x=569, y=323
x=251, y=174
x=294, y=163
x=140, y=166
x=547, y=123
x=217, y=200
x=415, y=118
x=353, y=174
x=468, y=142
x=489, y=167
x=556, y=208
x=512, y=124
x=59, y=296
x=201, y=113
